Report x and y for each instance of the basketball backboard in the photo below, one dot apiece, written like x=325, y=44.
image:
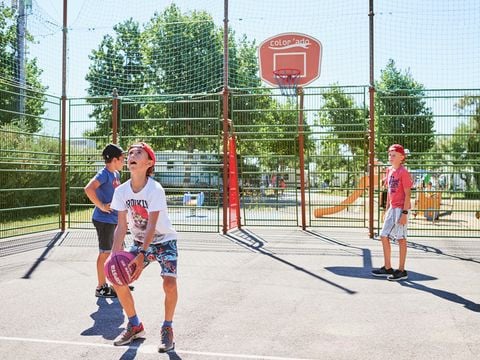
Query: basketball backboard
x=290, y=51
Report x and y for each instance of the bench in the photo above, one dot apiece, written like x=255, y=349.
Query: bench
x=193, y=201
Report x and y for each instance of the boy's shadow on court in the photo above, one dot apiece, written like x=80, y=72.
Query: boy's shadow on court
x=413, y=277
x=364, y=272
x=468, y=304
x=108, y=319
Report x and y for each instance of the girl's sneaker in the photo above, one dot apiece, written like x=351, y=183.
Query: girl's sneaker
x=129, y=334
x=167, y=343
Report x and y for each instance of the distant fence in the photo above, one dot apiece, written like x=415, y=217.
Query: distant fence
x=185, y=131
x=176, y=127
x=29, y=161
x=446, y=197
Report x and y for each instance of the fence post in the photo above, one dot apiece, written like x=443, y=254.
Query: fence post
x=225, y=118
x=114, y=115
x=371, y=128
x=63, y=156
x=301, y=146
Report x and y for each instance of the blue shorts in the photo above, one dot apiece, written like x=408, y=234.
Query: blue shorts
x=165, y=253
x=391, y=228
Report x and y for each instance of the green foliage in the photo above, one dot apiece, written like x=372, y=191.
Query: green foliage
x=30, y=172
x=118, y=63
x=175, y=53
x=183, y=51
x=343, y=124
x=346, y=119
x=169, y=121
x=10, y=92
x=471, y=132
x=271, y=128
x=401, y=112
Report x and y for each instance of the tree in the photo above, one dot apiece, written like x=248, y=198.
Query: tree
x=471, y=134
x=402, y=115
x=346, y=120
x=116, y=64
x=344, y=125
x=10, y=91
x=183, y=51
x=174, y=54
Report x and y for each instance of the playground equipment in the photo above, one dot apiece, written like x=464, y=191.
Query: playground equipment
x=428, y=203
x=193, y=201
x=319, y=212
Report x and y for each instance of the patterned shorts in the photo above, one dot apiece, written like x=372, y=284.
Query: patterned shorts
x=165, y=253
x=391, y=228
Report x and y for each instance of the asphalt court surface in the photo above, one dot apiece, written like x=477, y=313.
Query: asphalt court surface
x=258, y=293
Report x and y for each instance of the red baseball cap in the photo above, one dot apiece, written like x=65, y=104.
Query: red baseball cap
x=397, y=148
x=145, y=147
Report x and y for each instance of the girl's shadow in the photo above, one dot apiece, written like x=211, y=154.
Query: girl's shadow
x=107, y=320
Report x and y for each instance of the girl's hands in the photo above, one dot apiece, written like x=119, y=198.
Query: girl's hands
x=137, y=265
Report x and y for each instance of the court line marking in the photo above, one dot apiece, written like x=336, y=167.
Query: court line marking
x=148, y=349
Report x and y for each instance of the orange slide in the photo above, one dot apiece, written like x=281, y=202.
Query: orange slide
x=319, y=212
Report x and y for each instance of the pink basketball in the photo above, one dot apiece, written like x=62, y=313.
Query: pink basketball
x=116, y=268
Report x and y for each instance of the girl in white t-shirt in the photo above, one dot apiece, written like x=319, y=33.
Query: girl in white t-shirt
x=142, y=207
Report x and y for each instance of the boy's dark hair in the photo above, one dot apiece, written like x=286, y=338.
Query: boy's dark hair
x=111, y=151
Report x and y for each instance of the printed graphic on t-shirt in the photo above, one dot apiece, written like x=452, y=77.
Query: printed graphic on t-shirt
x=393, y=184
x=139, y=216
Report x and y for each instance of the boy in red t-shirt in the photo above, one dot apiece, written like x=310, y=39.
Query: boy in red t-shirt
x=399, y=183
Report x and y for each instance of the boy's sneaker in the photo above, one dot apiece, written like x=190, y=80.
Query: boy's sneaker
x=129, y=334
x=382, y=272
x=398, y=275
x=167, y=343
x=105, y=292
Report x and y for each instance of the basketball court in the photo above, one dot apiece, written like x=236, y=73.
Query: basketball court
x=252, y=294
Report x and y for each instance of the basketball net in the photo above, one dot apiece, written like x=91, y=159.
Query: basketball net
x=287, y=80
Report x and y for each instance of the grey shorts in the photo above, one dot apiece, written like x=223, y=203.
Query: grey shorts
x=105, y=235
x=391, y=228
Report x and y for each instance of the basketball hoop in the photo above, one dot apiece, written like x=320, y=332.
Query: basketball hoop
x=287, y=80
